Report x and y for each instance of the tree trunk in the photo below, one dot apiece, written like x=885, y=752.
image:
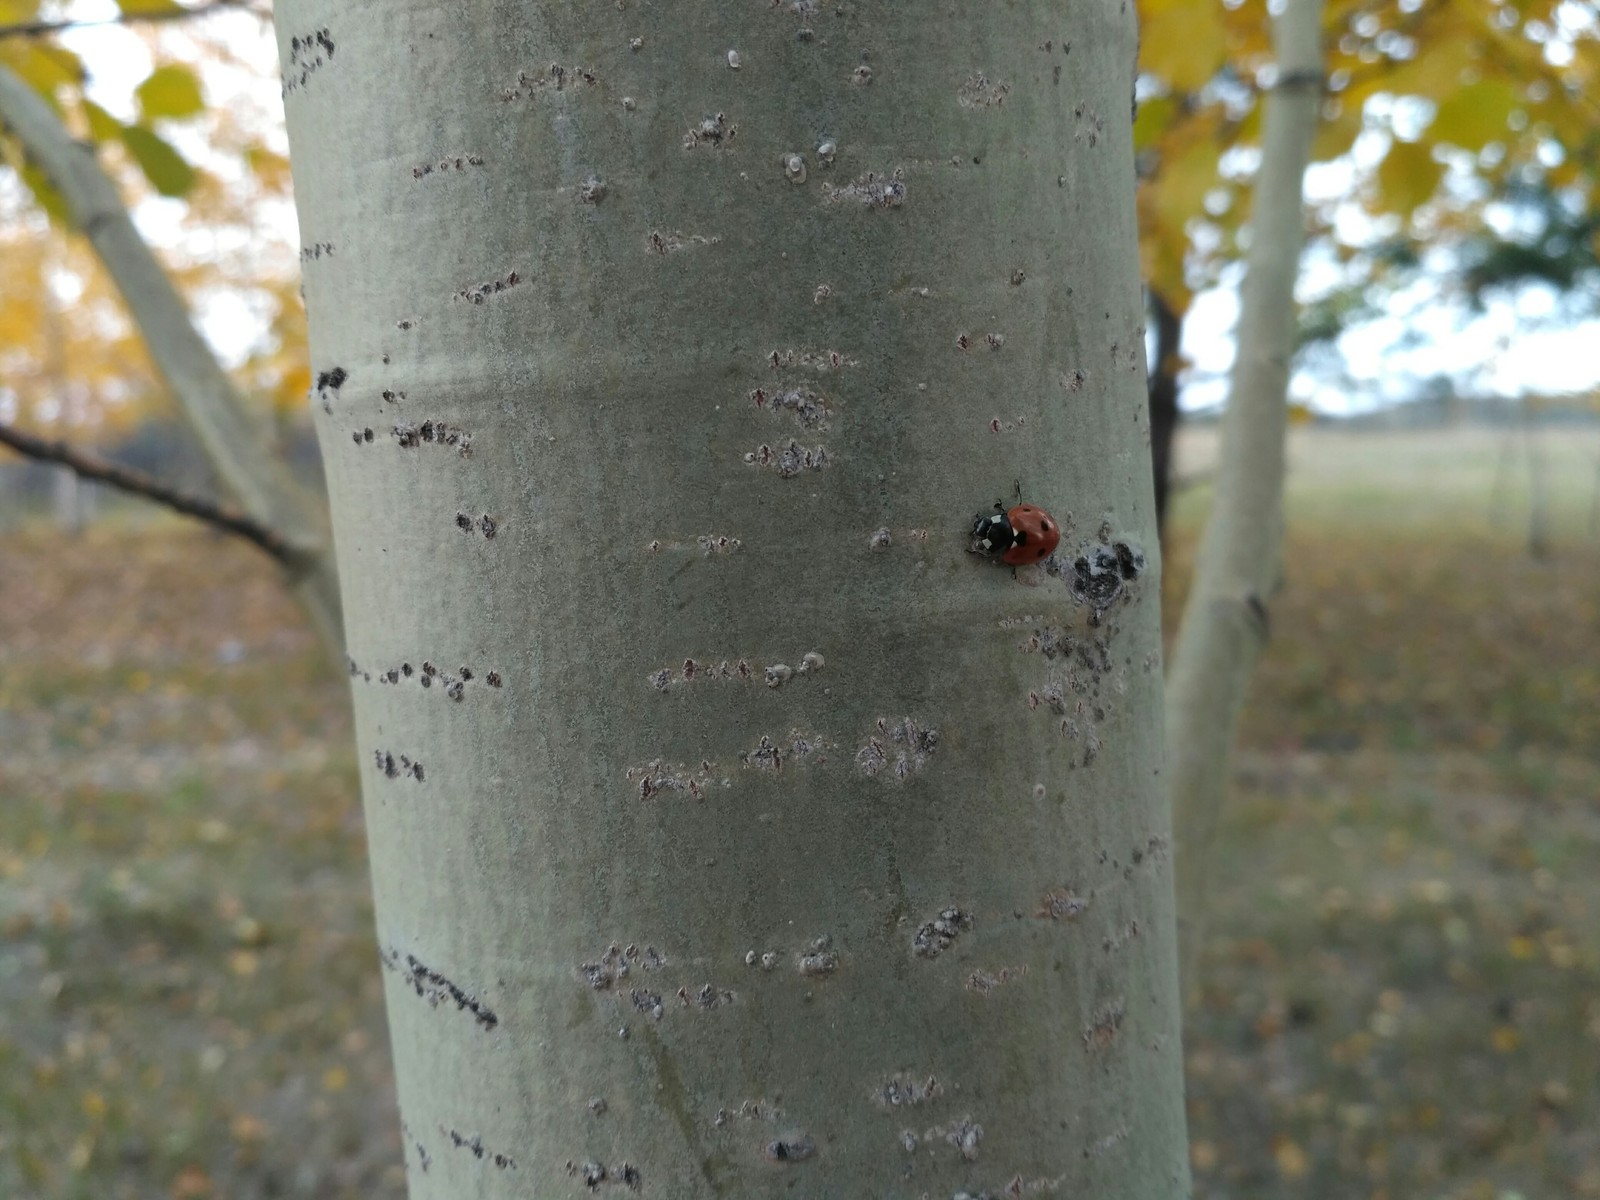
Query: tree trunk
x=69, y=502
x=1163, y=389
x=734, y=830
x=1538, y=482
x=1237, y=567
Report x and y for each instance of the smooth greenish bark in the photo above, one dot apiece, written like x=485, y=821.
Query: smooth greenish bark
x=734, y=831
x=1240, y=557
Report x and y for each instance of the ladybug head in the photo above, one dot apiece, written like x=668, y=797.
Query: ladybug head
x=992, y=532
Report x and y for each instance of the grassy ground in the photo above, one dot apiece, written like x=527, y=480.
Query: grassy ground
x=1401, y=995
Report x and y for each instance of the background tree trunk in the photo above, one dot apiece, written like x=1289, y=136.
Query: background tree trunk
x=1239, y=560
x=734, y=831
x=70, y=502
x=1163, y=388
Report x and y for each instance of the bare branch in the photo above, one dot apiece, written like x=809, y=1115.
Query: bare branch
x=44, y=28
x=92, y=466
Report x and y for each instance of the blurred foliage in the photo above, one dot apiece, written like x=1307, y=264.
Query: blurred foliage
x=204, y=134
x=68, y=354
x=1457, y=103
x=1551, y=240
x=1543, y=238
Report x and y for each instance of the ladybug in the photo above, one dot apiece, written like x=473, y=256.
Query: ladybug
x=1023, y=535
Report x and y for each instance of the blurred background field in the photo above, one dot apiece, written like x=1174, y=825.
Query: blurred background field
x=1401, y=991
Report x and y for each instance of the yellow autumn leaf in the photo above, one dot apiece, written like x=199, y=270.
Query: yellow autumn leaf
x=270, y=167
x=43, y=66
x=293, y=386
x=170, y=91
x=1249, y=34
x=1154, y=117
x=1568, y=121
x=1187, y=171
x=1162, y=252
x=1182, y=41
x=45, y=193
x=163, y=166
x=1564, y=174
x=1452, y=52
x=1473, y=116
x=1407, y=177
x=103, y=127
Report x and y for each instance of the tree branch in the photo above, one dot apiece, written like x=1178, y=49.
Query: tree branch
x=91, y=466
x=44, y=28
x=234, y=437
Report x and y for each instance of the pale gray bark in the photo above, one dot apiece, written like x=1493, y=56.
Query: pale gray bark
x=1237, y=568
x=235, y=439
x=734, y=831
x=70, y=502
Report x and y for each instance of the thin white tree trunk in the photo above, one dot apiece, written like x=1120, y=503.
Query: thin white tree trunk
x=1237, y=568
x=68, y=501
x=236, y=440
x=734, y=831
x=1538, y=482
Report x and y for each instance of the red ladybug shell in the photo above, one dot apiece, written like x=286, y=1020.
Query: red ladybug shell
x=1035, y=534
